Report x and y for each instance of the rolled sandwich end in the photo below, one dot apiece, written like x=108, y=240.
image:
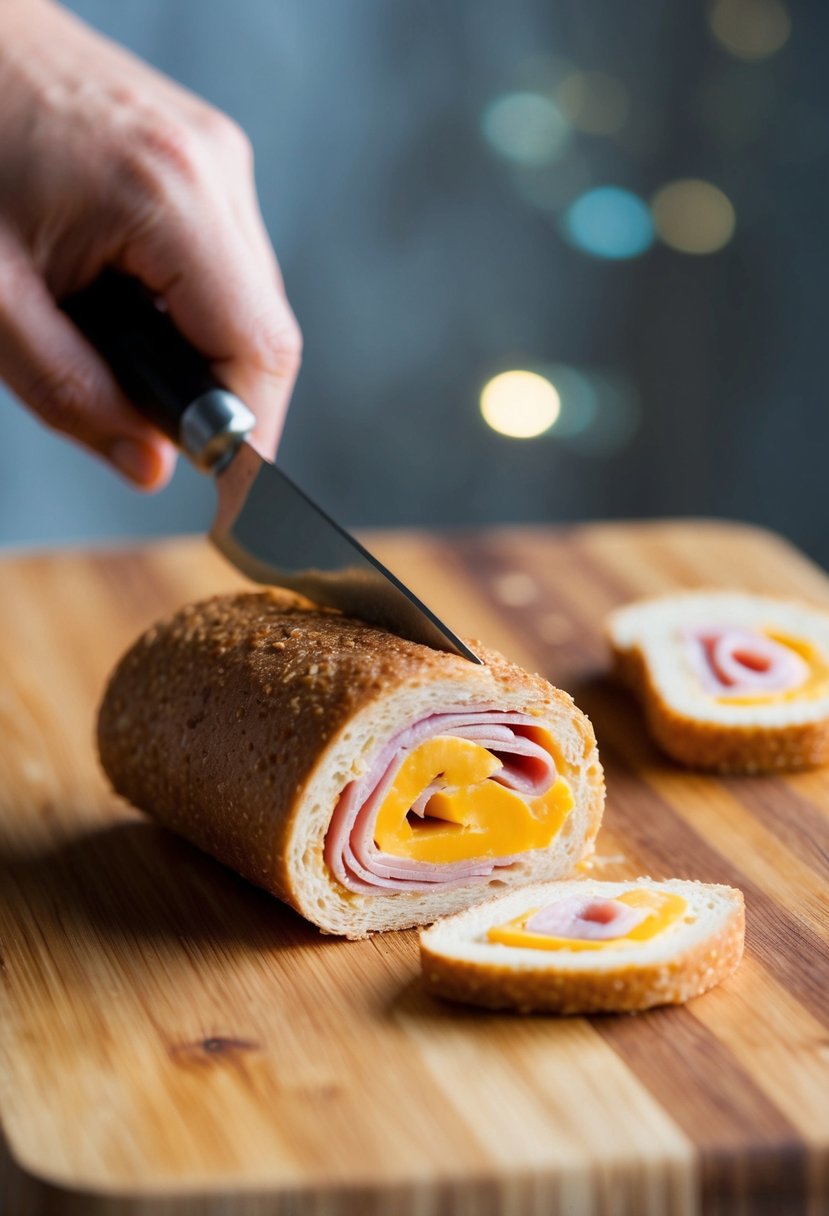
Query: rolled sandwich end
x=391, y=894
x=728, y=681
x=277, y=736
x=587, y=946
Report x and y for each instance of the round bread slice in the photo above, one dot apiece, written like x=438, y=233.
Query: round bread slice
x=691, y=955
x=263, y=730
x=716, y=729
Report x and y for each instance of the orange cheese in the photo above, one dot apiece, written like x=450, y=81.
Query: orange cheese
x=473, y=816
x=814, y=686
x=664, y=910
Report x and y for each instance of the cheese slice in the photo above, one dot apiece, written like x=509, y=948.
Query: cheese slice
x=470, y=815
x=664, y=907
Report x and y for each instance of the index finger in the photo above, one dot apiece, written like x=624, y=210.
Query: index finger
x=226, y=298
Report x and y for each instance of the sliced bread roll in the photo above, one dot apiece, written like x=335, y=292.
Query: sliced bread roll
x=729, y=681
x=587, y=946
x=370, y=782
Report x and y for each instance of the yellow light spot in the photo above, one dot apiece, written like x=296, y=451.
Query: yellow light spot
x=520, y=404
x=594, y=102
x=750, y=29
x=693, y=216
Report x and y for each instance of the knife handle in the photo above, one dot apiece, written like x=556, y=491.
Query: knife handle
x=163, y=376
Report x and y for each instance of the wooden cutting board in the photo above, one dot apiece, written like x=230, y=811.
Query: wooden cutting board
x=174, y=1041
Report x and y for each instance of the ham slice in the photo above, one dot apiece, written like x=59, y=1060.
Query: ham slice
x=739, y=662
x=351, y=853
x=586, y=918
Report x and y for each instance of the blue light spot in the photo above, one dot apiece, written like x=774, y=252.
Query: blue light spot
x=609, y=223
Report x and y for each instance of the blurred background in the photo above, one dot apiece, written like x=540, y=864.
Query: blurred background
x=553, y=260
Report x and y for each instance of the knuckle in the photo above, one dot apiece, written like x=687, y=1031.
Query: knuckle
x=162, y=153
x=221, y=130
x=126, y=97
x=62, y=398
x=280, y=346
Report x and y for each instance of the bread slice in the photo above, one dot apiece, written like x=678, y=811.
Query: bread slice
x=731, y=729
x=687, y=958
x=246, y=722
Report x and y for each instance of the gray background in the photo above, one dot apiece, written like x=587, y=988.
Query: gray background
x=418, y=270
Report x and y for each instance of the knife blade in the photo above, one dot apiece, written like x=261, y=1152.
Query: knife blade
x=264, y=524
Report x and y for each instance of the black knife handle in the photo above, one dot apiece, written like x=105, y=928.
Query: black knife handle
x=164, y=377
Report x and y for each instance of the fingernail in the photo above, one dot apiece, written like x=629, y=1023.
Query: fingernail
x=135, y=460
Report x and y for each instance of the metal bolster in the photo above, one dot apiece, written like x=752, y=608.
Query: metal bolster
x=213, y=426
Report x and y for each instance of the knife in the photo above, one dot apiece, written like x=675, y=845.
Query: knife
x=265, y=525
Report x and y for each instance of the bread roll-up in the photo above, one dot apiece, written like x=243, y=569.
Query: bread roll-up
x=728, y=681
x=588, y=946
x=370, y=782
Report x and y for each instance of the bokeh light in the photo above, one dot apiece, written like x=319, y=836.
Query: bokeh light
x=750, y=29
x=515, y=588
x=609, y=223
x=693, y=216
x=600, y=409
x=578, y=399
x=595, y=103
x=527, y=128
x=594, y=412
x=520, y=404
x=616, y=419
x=555, y=628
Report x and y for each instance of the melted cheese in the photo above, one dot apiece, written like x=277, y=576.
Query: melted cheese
x=663, y=907
x=814, y=686
x=473, y=816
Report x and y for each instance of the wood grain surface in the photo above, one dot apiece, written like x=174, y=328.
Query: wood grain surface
x=174, y=1041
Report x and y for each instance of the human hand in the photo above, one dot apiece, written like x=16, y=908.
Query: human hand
x=108, y=163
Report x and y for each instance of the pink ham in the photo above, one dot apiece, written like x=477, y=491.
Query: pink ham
x=351, y=853
x=586, y=918
x=741, y=662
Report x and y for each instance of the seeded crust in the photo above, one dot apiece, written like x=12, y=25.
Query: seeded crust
x=552, y=987
x=238, y=721
x=698, y=743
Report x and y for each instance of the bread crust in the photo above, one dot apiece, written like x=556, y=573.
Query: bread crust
x=625, y=989
x=238, y=721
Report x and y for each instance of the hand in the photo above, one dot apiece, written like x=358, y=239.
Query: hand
x=107, y=162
